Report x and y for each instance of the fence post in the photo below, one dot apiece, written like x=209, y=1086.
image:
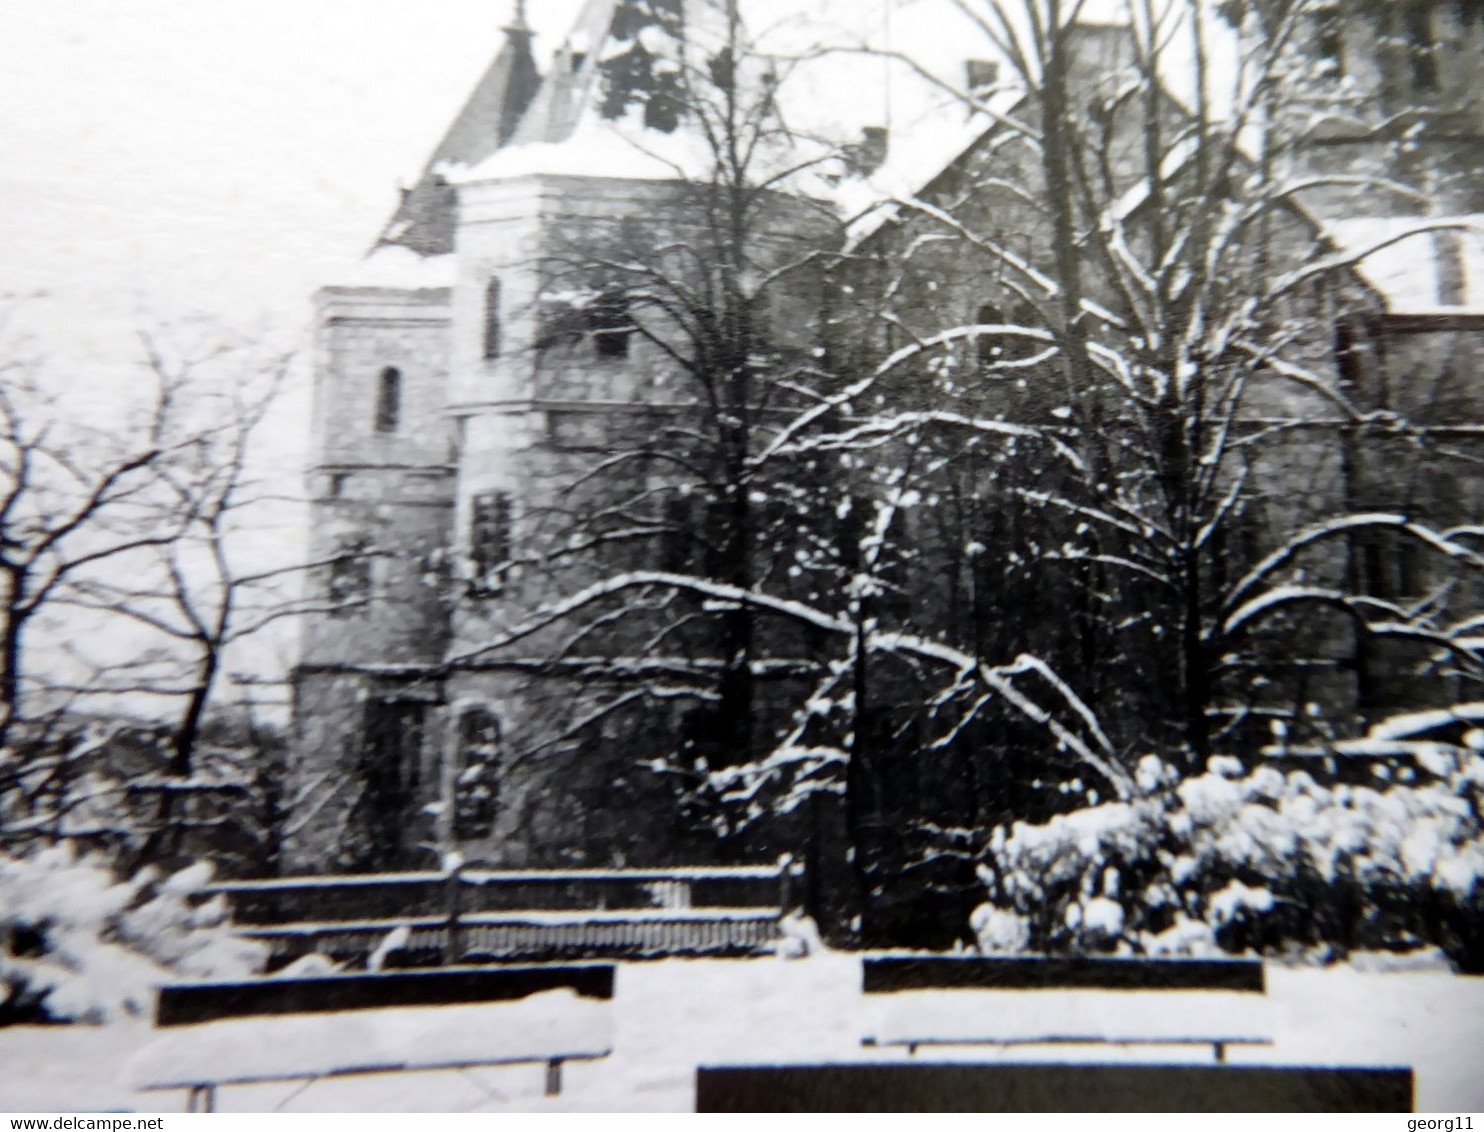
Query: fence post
x=785, y=884
x=452, y=896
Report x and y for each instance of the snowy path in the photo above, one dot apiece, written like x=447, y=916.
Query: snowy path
x=672, y=1016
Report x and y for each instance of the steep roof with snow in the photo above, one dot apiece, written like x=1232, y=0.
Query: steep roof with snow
x=836, y=85
x=425, y=218
x=1419, y=265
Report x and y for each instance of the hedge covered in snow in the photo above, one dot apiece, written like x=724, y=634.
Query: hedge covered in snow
x=1237, y=862
x=78, y=944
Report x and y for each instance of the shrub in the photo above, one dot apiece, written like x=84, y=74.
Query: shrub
x=78, y=944
x=1235, y=862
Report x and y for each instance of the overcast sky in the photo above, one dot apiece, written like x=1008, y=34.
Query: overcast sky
x=164, y=159
x=224, y=156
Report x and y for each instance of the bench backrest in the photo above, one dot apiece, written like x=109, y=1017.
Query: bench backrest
x=888, y=974
x=1051, y=1088
x=193, y=1003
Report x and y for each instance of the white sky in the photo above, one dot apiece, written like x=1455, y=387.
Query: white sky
x=163, y=159
x=225, y=156
x=171, y=160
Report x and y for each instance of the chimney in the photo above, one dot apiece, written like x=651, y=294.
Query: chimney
x=869, y=154
x=1098, y=52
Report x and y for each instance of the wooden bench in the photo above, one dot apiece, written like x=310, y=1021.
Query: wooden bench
x=1029, y=1001
x=281, y=1030
x=471, y=915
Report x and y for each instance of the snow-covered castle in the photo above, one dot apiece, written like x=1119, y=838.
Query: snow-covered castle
x=460, y=395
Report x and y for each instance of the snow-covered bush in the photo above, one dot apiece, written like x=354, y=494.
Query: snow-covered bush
x=1232, y=861
x=77, y=944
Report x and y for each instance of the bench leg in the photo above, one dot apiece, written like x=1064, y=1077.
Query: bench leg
x=1220, y=1049
x=554, y=1077
x=201, y=1098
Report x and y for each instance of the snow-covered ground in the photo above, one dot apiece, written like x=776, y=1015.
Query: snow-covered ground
x=669, y=1017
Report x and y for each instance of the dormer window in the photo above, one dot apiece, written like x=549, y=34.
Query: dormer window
x=389, y=400
x=492, y=325
x=981, y=77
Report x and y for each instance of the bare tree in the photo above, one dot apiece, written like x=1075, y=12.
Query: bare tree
x=137, y=545
x=74, y=497
x=1178, y=338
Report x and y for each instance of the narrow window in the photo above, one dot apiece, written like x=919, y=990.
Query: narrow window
x=492, y=319
x=680, y=536
x=1422, y=45
x=477, y=777
x=1331, y=42
x=1348, y=354
x=389, y=400
x=1019, y=347
x=490, y=538
x=991, y=347
x=350, y=575
x=889, y=336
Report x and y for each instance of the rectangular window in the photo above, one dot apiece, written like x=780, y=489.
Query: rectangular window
x=681, y=537
x=349, y=584
x=1423, y=45
x=492, y=325
x=611, y=325
x=490, y=538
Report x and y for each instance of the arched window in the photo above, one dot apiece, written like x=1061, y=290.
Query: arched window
x=492, y=319
x=389, y=400
x=476, y=790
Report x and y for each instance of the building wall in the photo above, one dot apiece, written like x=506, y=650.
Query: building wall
x=533, y=422
x=539, y=419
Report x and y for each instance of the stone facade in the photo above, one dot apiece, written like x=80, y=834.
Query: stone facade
x=461, y=413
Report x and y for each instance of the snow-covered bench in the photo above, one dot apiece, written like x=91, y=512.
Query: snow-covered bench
x=1029, y=1002
x=281, y=1030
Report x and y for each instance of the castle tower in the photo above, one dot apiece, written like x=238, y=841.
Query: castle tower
x=463, y=385
x=382, y=488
